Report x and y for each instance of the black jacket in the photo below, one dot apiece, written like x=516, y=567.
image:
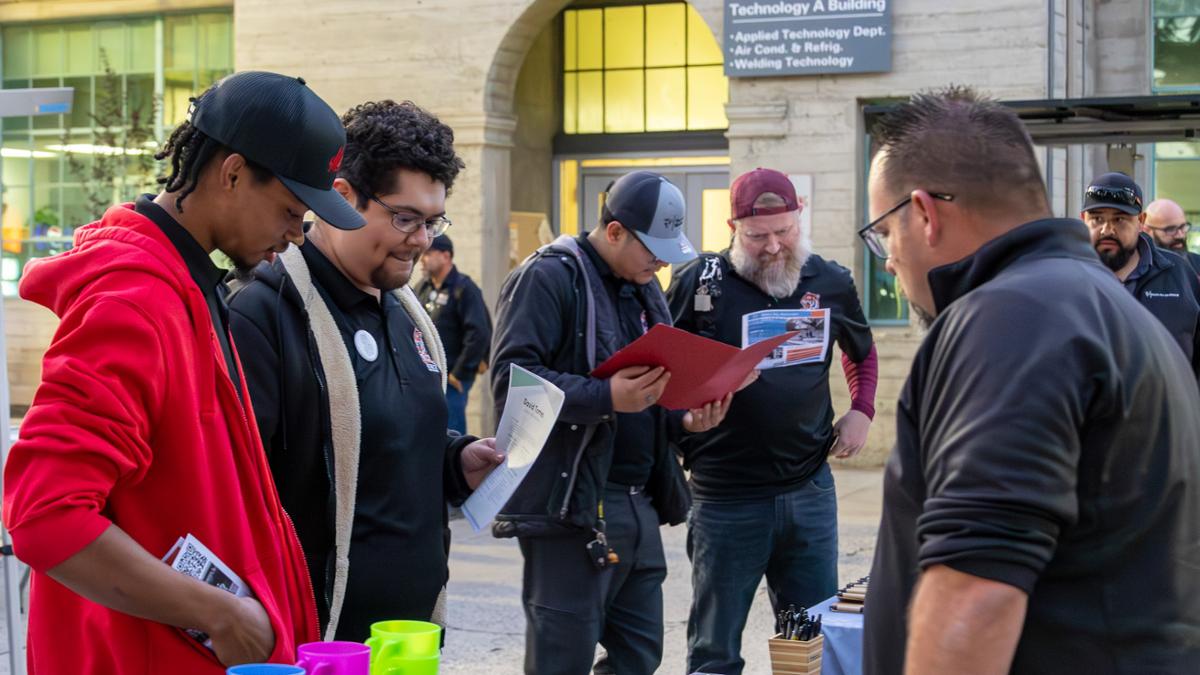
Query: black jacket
x=542, y=325
x=1170, y=289
x=291, y=405
x=462, y=320
x=1047, y=439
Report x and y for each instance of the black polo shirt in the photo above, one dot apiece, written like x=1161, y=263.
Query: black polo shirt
x=779, y=430
x=207, y=276
x=397, y=552
x=633, y=448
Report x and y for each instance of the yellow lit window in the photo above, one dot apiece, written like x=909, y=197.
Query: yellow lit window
x=636, y=68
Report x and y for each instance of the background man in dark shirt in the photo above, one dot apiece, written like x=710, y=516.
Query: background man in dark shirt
x=457, y=308
x=769, y=455
x=1162, y=281
x=1168, y=226
x=347, y=381
x=1041, y=511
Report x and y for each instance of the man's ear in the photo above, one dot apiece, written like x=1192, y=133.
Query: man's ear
x=232, y=170
x=924, y=210
x=346, y=190
x=614, y=232
x=1142, y=220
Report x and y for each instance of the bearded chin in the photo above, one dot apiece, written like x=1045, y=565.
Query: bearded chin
x=777, y=278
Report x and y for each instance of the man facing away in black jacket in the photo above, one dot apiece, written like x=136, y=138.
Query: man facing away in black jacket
x=1041, y=509
x=607, y=477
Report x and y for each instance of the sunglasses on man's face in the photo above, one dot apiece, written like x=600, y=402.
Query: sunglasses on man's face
x=1124, y=196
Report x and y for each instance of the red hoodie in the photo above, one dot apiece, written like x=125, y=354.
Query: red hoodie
x=137, y=423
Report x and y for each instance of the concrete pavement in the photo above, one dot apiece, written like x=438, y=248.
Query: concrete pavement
x=487, y=625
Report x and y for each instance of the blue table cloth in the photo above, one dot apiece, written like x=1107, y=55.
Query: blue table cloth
x=842, y=652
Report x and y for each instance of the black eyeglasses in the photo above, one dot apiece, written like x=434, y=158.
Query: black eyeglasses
x=1124, y=196
x=407, y=223
x=876, y=242
x=1173, y=230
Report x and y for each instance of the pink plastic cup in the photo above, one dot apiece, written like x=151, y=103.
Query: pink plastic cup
x=334, y=658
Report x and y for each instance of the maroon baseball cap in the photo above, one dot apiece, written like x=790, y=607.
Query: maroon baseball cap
x=751, y=185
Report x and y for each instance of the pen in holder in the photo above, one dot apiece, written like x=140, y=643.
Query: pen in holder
x=795, y=657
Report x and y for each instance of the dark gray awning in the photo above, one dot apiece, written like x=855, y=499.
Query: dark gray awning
x=1110, y=120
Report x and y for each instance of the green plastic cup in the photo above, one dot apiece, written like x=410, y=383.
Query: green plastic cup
x=393, y=642
x=425, y=665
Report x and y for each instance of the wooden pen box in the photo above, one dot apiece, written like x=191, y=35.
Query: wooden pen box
x=793, y=657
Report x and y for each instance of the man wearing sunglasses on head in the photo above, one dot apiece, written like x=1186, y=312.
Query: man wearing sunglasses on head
x=347, y=377
x=1168, y=226
x=1162, y=281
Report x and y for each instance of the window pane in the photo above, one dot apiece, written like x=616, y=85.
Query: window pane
x=1177, y=6
x=15, y=228
x=17, y=163
x=591, y=39
x=214, y=34
x=708, y=90
x=47, y=51
x=178, y=87
x=591, y=103
x=570, y=45
x=110, y=44
x=702, y=45
x=179, y=43
x=624, y=37
x=18, y=55
x=624, y=101
x=1177, y=51
x=16, y=123
x=141, y=46
x=666, y=99
x=80, y=58
x=1177, y=180
x=715, y=220
x=886, y=301
x=81, y=104
x=139, y=103
x=570, y=103
x=667, y=42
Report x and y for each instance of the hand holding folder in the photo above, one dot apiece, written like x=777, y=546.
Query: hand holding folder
x=702, y=370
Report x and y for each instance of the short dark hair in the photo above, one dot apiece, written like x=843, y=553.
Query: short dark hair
x=955, y=140
x=383, y=136
x=189, y=151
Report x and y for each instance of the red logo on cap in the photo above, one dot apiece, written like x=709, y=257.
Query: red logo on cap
x=336, y=162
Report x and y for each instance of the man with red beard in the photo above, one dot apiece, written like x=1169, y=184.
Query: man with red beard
x=1168, y=226
x=348, y=379
x=763, y=491
x=1162, y=281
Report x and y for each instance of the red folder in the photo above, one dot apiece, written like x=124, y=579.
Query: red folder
x=702, y=370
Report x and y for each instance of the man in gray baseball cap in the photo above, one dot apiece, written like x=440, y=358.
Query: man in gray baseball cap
x=587, y=514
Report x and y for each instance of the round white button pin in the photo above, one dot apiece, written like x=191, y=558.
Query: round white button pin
x=366, y=346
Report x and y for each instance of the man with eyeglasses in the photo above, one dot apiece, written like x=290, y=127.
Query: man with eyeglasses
x=1041, y=507
x=461, y=316
x=1168, y=226
x=347, y=377
x=763, y=493
x=1162, y=281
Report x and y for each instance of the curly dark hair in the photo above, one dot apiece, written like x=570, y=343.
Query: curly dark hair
x=383, y=136
x=958, y=141
x=189, y=151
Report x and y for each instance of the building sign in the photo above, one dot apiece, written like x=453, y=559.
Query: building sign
x=808, y=37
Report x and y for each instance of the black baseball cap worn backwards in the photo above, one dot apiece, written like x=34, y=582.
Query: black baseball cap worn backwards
x=1114, y=191
x=651, y=207
x=279, y=123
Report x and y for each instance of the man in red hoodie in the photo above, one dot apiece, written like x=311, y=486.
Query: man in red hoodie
x=141, y=431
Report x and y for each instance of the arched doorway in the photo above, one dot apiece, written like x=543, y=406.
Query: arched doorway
x=603, y=88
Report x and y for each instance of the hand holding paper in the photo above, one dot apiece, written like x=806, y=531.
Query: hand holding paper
x=702, y=370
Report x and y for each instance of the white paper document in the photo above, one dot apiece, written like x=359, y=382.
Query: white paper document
x=530, y=411
x=810, y=346
x=192, y=558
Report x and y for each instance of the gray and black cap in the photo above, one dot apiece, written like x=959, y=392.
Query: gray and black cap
x=653, y=209
x=279, y=123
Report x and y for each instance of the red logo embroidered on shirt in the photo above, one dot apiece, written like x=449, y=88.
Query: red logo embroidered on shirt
x=336, y=162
